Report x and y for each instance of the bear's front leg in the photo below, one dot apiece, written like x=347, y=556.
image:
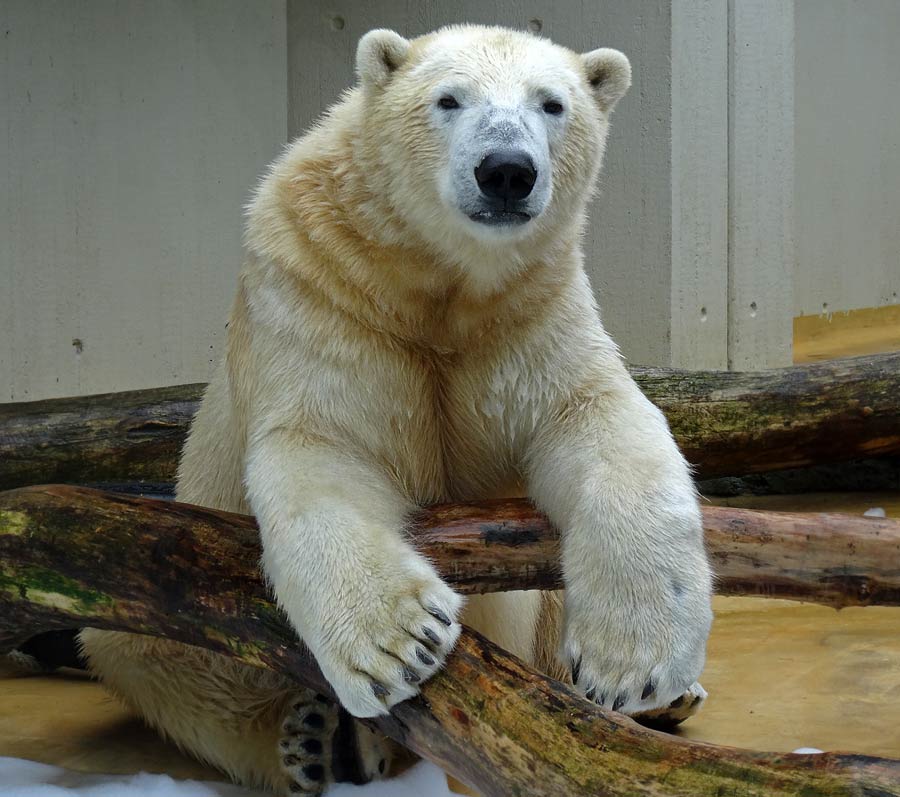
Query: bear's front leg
x=373, y=612
x=605, y=469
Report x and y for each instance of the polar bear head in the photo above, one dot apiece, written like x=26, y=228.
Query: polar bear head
x=486, y=137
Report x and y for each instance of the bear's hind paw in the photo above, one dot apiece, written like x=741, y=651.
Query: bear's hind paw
x=304, y=749
x=322, y=744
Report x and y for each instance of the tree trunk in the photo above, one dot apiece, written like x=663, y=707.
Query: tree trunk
x=114, y=437
x=73, y=557
x=838, y=560
x=726, y=423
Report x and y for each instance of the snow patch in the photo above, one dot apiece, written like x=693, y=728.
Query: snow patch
x=20, y=778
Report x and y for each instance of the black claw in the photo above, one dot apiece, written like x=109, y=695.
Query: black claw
x=576, y=670
x=602, y=700
x=677, y=702
x=438, y=614
x=619, y=702
x=314, y=772
x=410, y=677
x=380, y=690
x=648, y=690
x=430, y=635
x=290, y=760
x=296, y=788
x=422, y=656
x=590, y=693
x=381, y=766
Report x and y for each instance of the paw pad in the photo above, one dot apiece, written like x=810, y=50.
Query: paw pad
x=316, y=734
x=308, y=730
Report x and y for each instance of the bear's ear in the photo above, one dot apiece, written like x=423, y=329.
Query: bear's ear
x=609, y=75
x=379, y=53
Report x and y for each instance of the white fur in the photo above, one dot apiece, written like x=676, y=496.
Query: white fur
x=384, y=352
x=609, y=475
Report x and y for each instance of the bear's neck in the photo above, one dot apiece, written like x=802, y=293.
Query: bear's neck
x=317, y=219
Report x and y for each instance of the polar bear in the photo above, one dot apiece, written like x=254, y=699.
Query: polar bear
x=413, y=325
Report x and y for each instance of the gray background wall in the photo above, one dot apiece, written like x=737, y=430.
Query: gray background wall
x=847, y=155
x=135, y=130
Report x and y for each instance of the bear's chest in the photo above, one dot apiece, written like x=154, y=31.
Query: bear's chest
x=462, y=423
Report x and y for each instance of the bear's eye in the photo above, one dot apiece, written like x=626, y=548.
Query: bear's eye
x=448, y=103
x=553, y=107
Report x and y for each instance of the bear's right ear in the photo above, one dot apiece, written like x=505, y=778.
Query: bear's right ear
x=379, y=53
x=609, y=75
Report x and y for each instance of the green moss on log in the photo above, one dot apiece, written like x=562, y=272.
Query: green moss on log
x=190, y=574
x=727, y=423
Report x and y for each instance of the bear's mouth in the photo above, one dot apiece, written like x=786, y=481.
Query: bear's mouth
x=500, y=217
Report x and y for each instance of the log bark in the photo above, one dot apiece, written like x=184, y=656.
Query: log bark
x=506, y=544
x=73, y=557
x=726, y=423
x=731, y=423
x=113, y=437
x=828, y=558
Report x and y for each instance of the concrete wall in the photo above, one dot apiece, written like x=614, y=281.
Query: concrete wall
x=132, y=132
x=847, y=154
x=689, y=248
x=135, y=130
x=760, y=182
x=699, y=184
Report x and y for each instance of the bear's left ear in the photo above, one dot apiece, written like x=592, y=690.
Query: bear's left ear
x=609, y=75
x=379, y=54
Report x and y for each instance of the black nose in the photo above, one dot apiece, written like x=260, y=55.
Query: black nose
x=506, y=175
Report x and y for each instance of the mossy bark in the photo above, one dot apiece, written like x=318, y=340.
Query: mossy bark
x=726, y=423
x=114, y=437
x=733, y=423
x=71, y=557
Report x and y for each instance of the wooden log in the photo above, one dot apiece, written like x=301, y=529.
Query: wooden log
x=881, y=474
x=113, y=437
x=502, y=545
x=829, y=558
x=73, y=557
x=833, y=559
x=731, y=423
x=726, y=423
